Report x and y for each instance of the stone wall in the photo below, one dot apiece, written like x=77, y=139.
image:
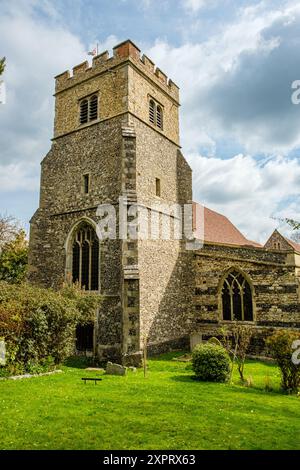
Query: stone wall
x=275, y=289
x=124, y=83
x=63, y=204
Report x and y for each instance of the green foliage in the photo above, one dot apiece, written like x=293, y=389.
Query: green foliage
x=85, y=303
x=280, y=348
x=14, y=259
x=39, y=325
x=214, y=340
x=211, y=363
x=2, y=65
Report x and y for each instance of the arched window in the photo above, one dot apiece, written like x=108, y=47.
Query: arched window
x=85, y=259
x=84, y=107
x=159, y=117
x=93, y=108
x=88, y=109
x=237, y=301
x=152, y=112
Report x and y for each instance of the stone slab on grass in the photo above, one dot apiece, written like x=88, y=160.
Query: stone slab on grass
x=115, y=369
x=95, y=369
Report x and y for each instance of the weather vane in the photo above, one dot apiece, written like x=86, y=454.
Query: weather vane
x=94, y=51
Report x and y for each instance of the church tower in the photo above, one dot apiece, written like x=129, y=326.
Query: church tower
x=116, y=135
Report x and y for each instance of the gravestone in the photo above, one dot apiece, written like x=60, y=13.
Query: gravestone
x=115, y=369
x=195, y=339
x=2, y=353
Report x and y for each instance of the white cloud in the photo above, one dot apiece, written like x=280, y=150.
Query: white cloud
x=36, y=51
x=194, y=5
x=236, y=84
x=239, y=64
x=18, y=177
x=247, y=192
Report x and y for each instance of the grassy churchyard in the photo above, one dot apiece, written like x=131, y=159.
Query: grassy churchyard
x=166, y=410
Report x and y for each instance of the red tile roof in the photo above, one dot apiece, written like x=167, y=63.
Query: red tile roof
x=217, y=228
x=293, y=244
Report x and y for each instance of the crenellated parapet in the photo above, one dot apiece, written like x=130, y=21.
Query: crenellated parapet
x=126, y=51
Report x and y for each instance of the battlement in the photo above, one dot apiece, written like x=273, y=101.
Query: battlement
x=126, y=51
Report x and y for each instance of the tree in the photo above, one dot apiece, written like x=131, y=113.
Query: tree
x=2, y=65
x=236, y=341
x=9, y=228
x=13, y=250
x=242, y=335
x=295, y=225
x=280, y=345
x=14, y=259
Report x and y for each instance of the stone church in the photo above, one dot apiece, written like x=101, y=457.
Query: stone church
x=116, y=136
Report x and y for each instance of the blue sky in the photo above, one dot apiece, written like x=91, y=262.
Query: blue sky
x=234, y=61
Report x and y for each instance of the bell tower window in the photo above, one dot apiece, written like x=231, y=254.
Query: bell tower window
x=155, y=114
x=88, y=109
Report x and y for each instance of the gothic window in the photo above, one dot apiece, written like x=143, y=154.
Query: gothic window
x=88, y=109
x=237, y=301
x=85, y=259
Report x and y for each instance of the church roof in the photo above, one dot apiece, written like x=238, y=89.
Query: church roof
x=294, y=245
x=218, y=228
x=288, y=243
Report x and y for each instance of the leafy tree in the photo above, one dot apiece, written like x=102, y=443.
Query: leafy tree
x=38, y=325
x=280, y=345
x=2, y=65
x=14, y=259
x=9, y=228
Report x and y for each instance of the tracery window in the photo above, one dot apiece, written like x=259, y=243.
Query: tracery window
x=85, y=260
x=237, y=300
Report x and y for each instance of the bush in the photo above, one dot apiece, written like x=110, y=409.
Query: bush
x=13, y=259
x=211, y=363
x=280, y=348
x=38, y=325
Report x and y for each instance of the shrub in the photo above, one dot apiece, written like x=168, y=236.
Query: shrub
x=211, y=362
x=280, y=348
x=38, y=325
x=13, y=258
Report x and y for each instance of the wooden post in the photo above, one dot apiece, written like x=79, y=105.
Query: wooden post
x=145, y=356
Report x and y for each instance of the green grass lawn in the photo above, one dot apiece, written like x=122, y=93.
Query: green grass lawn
x=167, y=410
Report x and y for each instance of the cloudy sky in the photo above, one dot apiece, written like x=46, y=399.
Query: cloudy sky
x=234, y=60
